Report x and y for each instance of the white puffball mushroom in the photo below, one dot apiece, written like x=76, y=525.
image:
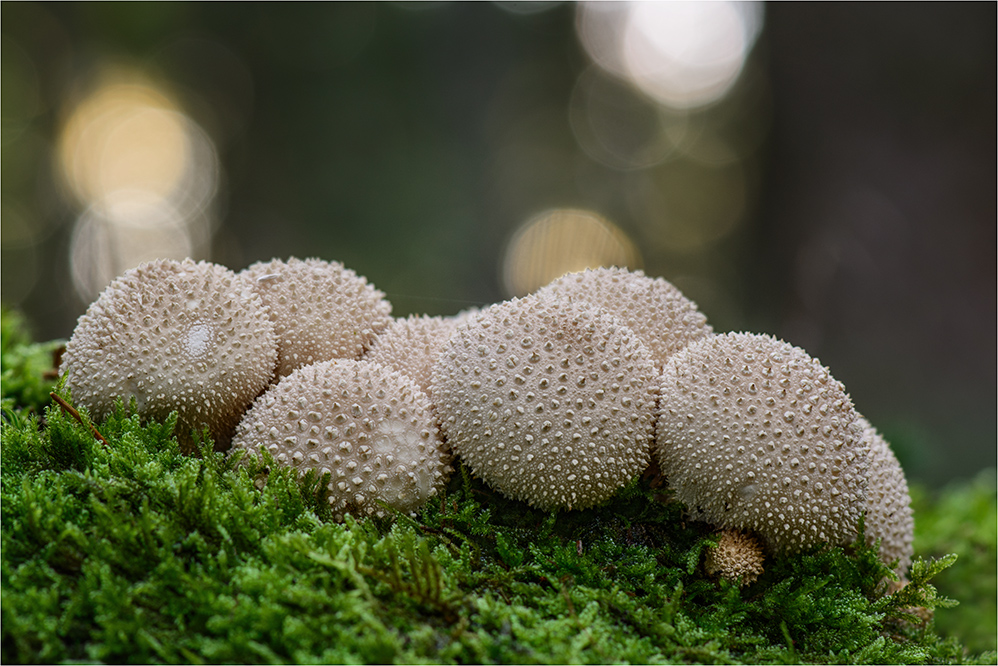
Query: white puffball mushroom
x=661, y=316
x=365, y=425
x=320, y=310
x=548, y=402
x=888, y=504
x=412, y=345
x=174, y=335
x=755, y=434
x=737, y=558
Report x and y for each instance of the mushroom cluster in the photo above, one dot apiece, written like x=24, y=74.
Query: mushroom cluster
x=557, y=399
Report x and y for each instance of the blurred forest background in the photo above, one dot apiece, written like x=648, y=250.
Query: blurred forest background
x=822, y=172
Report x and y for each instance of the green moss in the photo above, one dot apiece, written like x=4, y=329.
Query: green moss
x=27, y=371
x=963, y=519
x=133, y=552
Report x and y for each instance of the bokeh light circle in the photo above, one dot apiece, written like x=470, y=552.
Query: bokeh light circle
x=145, y=176
x=563, y=241
x=682, y=54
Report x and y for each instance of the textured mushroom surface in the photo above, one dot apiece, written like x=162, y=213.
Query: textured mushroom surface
x=365, y=425
x=548, y=402
x=661, y=316
x=174, y=335
x=412, y=345
x=755, y=434
x=888, y=504
x=738, y=556
x=320, y=310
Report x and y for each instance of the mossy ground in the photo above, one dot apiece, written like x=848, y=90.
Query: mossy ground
x=133, y=552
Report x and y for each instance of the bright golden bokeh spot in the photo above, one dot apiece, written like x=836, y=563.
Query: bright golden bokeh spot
x=563, y=241
x=124, y=137
x=141, y=173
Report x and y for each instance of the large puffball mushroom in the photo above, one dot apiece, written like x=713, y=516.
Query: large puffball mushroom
x=365, y=425
x=320, y=310
x=412, y=345
x=547, y=402
x=754, y=434
x=888, y=504
x=174, y=335
x=661, y=316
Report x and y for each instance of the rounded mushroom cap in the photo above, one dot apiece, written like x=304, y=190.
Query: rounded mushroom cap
x=664, y=319
x=888, y=504
x=320, y=310
x=412, y=345
x=548, y=402
x=755, y=434
x=737, y=556
x=174, y=335
x=365, y=425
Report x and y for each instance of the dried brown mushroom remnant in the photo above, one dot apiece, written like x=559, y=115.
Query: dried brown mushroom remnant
x=888, y=504
x=737, y=558
x=365, y=425
x=412, y=345
x=320, y=310
x=548, y=402
x=174, y=335
x=755, y=434
x=661, y=316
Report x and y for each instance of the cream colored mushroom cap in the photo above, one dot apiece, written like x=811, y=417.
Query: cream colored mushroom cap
x=412, y=345
x=547, y=402
x=755, y=434
x=320, y=310
x=174, y=335
x=661, y=316
x=888, y=505
x=367, y=426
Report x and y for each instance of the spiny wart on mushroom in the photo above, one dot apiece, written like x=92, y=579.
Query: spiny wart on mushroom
x=320, y=310
x=548, y=402
x=365, y=425
x=174, y=336
x=755, y=434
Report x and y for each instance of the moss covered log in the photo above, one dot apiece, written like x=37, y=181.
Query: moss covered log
x=130, y=551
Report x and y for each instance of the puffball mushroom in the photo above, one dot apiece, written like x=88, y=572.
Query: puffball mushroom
x=738, y=557
x=365, y=425
x=547, y=402
x=661, y=316
x=754, y=434
x=888, y=504
x=412, y=345
x=174, y=335
x=320, y=310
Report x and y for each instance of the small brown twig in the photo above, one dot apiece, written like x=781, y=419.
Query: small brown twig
x=68, y=408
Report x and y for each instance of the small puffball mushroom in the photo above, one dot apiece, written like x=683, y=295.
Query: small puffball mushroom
x=320, y=310
x=755, y=434
x=365, y=425
x=661, y=316
x=412, y=345
x=888, y=504
x=548, y=402
x=174, y=335
x=738, y=556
